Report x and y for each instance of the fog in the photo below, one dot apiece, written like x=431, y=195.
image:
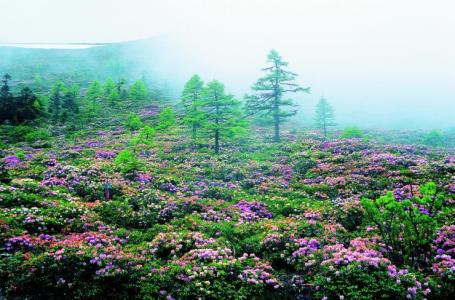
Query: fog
x=383, y=63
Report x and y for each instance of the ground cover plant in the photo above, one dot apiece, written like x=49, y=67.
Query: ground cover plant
x=110, y=191
x=99, y=216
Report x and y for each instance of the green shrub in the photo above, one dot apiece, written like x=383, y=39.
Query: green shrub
x=127, y=161
x=166, y=119
x=433, y=138
x=133, y=122
x=38, y=135
x=357, y=282
x=352, y=132
x=407, y=226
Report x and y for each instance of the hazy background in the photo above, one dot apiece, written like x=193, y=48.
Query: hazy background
x=380, y=63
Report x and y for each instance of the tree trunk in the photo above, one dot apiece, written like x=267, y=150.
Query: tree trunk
x=277, y=130
x=194, y=131
x=277, y=120
x=217, y=141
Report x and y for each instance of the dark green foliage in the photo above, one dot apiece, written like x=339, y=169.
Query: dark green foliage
x=70, y=107
x=357, y=283
x=20, y=108
x=36, y=135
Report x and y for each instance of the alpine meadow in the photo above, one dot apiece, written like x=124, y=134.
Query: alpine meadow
x=227, y=149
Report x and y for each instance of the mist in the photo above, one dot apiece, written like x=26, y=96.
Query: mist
x=386, y=64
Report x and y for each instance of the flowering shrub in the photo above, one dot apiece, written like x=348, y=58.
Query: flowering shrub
x=359, y=272
x=215, y=272
x=251, y=211
x=406, y=226
x=152, y=215
x=444, y=261
x=171, y=244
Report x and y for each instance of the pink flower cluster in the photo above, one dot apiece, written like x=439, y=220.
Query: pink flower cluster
x=358, y=252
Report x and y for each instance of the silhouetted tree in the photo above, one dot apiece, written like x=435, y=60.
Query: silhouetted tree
x=269, y=91
x=5, y=90
x=20, y=108
x=324, y=115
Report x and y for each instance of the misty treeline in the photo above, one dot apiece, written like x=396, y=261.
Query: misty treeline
x=206, y=109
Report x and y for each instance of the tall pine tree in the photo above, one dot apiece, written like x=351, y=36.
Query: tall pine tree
x=191, y=97
x=222, y=113
x=20, y=108
x=70, y=107
x=269, y=90
x=55, y=100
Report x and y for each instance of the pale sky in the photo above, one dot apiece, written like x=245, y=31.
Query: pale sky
x=384, y=61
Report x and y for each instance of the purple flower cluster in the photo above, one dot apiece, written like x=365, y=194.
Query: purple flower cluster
x=105, y=154
x=93, y=144
x=53, y=181
x=11, y=161
x=167, y=212
x=19, y=243
x=261, y=273
x=406, y=192
x=168, y=187
x=143, y=178
x=252, y=211
x=335, y=181
x=215, y=216
x=444, y=245
x=306, y=246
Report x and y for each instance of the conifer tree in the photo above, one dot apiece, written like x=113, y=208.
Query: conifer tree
x=108, y=87
x=56, y=100
x=138, y=91
x=70, y=106
x=222, y=113
x=269, y=91
x=191, y=97
x=324, y=115
x=94, y=92
x=20, y=108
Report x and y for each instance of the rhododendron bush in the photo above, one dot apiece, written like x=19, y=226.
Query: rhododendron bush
x=100, y=216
